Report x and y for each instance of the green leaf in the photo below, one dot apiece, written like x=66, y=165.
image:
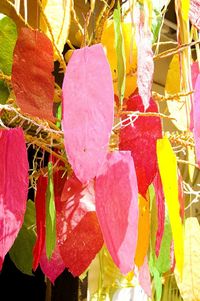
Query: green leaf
x=21, y=252
x=156, y=24
x=8, y=37
x=4, y=92
x=50, y=214
x=120, y=50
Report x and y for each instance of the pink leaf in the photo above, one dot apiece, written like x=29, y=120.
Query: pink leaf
x=144, y=278
x=40, y=201
x=181, y=196
x=32, y=78
x=13, y=187
x=196, y=115
x=54, y=267
x=160, y=202
x=195, y=71
x=117, y=207
x=88, y=110
x=194, y=13
x=141, y=139
x=78, y=231
x=145, y=64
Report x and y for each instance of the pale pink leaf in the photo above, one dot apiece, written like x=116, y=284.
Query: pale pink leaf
x=116, y=195
x=194, y=13
x=195, y=71
x=54, y=267
x=145, y=64
x=196, y=114
x=88, y=104
x=144, y=278
x=13, y=187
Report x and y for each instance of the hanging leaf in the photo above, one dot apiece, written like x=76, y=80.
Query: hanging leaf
x=87, y=110
x=181, y=196
x=145, y=64
x=143, y=231
x=32, y=78
x=50, y=214
x=14, y=174
x=144, y=278
x=108, y=41
x=168, y=172
x=40, y=201
x=57, y=13
x=177, y=109
x=8, y=37
x=191, y=158
x=140, y=139
x=194, y=13
x=117, y=207
x=160, y=203
x=21, y=251
x=195, y=71
x=4, y=92
x=78, y=232
x=163, y=262
x=196, y=117
x=121, y=59
x=189, y=284
x=54, y=267
x=185, y=6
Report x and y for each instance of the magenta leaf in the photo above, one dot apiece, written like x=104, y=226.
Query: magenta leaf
x=13, y=187
x=196, y=115
x=116, y=195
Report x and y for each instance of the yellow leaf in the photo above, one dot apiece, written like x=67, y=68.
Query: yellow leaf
x=108, y=41
x=168, y=171
x=185, y=9
x=177, y=109
x=192, y=159
x=190, y=283
x=57, y=13
x=143, y=231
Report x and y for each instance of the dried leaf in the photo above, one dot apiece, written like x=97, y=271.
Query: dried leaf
x=140, y=139
x=78, y=232
x=121, y=59
x=194, y=13
x=40, y=201
x=22, y=250
x=87, y=110
x=168, y=171
x=14, y=174
x=117, y=207
x=196, y=117
x=32, y=78
x=57, y=13
x=190, y=282
x=8, y=37
x=145, y=64
x=108, y=41
x=50, y=214
x=54, y=267
x=143, y=231
x=160, y=202
x=177, y=109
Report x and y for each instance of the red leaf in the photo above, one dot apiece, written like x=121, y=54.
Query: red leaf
x=194, y=13
x=141, y=139
x=13, y=187
x=117, y=207
x=32, y=78
x=40, y=201
x=78, y=231
x=88, y=110
x=160, y=202
x=54, y=267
